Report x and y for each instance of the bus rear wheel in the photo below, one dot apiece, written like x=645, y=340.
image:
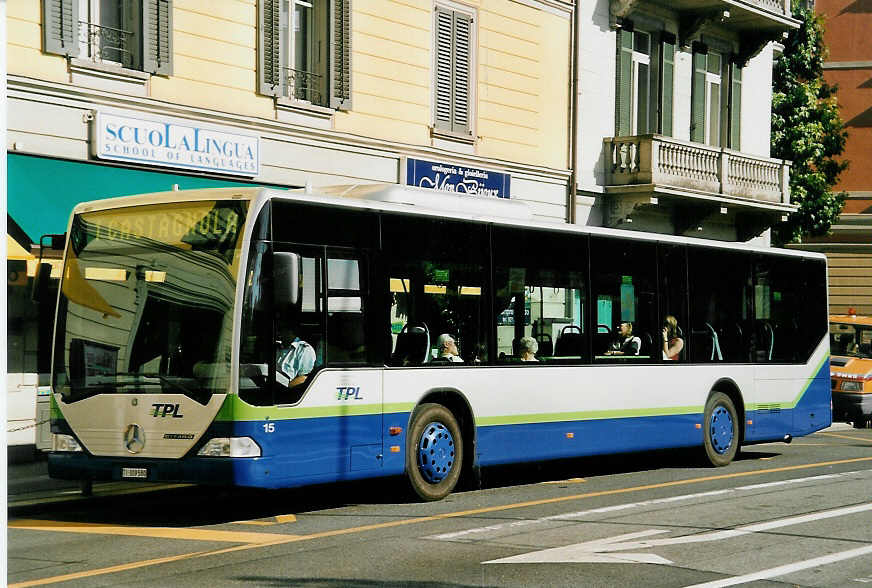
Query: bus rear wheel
x=720, y=430
x=434, y=452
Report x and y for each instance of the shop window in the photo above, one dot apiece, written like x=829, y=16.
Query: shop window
x=305, y=51
x=132, y=34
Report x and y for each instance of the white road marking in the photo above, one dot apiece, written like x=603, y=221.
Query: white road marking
x=468, y=533
x=793, y=481
x=593, y=551
x=788, y=569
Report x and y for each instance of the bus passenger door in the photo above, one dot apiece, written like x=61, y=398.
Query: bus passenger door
x=340, y=429
x=357, y=389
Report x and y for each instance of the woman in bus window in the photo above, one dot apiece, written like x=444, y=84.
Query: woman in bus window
x=527, y=348
x=672, y=343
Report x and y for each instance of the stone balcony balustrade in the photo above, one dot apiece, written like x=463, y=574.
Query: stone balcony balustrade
x=642, y=170
x=664, y=161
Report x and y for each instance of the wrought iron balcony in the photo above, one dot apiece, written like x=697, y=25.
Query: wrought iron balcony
x=107, y=44
x=641, y=170
x=304, y=85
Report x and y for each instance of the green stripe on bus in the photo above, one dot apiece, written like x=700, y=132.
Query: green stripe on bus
x=585, y=415
x=811, y=379
x=792, y=404
x=234, y=409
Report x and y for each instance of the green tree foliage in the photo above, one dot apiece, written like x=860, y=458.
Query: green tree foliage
x=807, y=129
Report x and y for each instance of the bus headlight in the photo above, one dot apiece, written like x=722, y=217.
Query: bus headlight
x=64, y=443
x=230, y=447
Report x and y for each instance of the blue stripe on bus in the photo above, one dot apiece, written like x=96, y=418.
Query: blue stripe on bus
x=812, y=412
x=501, y=444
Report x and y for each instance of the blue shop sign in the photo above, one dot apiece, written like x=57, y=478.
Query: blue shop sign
x=457, y=178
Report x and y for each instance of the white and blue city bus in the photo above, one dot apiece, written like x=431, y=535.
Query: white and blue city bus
x=177, y=312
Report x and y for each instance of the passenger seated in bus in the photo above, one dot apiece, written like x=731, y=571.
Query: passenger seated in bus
x=446, y=348
x=672, y=343
x=626, y=343
x=294, y=361
x=527, y=348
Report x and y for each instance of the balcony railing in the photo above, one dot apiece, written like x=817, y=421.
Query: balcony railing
x=667, y=162
x=777, y=6
x=304, y=85
x=106, y=43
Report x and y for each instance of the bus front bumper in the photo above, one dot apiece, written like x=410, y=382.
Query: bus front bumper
x=194, y=470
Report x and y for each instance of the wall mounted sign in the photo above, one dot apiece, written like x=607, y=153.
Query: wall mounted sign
x=449, y=177
x=174, y=143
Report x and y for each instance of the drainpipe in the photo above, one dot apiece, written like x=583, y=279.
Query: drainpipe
x=573, y=115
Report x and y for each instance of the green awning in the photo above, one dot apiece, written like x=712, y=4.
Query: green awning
x=41, y=192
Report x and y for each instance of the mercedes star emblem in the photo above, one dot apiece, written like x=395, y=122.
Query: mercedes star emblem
x=134, y=438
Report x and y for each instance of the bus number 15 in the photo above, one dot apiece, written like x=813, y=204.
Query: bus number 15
x=269, y=427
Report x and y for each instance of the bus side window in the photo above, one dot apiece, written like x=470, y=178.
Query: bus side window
x=346, y=305
x=623, y=280
x=540, y=293
x=721, y=327
x=785, y=291
x=436, y=273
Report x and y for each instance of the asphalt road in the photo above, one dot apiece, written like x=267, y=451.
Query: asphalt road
x=798, y=515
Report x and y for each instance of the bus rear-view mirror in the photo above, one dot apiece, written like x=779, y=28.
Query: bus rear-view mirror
x=286, y=280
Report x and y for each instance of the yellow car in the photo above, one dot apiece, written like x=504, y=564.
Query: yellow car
x=851, y=368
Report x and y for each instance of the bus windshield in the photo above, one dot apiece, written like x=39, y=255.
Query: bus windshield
x=851, y=340
x=146, y=302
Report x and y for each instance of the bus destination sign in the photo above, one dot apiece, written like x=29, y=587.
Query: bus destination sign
x=449, y=177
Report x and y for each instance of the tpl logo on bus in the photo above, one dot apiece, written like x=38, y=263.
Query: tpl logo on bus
x=348, y=393
x=164, y=410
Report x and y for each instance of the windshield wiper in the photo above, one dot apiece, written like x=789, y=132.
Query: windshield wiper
x=173, y=384
x=196, y=395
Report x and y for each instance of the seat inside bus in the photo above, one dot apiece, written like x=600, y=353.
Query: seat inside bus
x=570, y=343
x=413, y=346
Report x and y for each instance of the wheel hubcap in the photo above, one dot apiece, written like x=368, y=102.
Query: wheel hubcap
x=721, y=430
x=435, y=452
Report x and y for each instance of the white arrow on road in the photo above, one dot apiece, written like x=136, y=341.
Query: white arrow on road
x=605, y=550
x=596, y=551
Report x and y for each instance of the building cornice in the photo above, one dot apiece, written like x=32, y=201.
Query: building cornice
x=25, y=88
x=562, y=8
x=847, y=65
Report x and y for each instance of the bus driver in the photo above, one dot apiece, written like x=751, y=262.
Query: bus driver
x=295, y=362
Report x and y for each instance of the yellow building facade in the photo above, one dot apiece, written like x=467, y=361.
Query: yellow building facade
x=519, y=86
x=135, y=96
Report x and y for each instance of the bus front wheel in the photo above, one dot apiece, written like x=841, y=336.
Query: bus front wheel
x=720, y=429
x=434, y=452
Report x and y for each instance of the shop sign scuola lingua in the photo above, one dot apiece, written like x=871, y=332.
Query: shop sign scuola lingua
x=174, y=143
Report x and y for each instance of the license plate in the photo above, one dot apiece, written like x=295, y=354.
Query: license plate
x=135, y=473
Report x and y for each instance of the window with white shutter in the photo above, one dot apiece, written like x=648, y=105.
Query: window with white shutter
x=453, y=71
